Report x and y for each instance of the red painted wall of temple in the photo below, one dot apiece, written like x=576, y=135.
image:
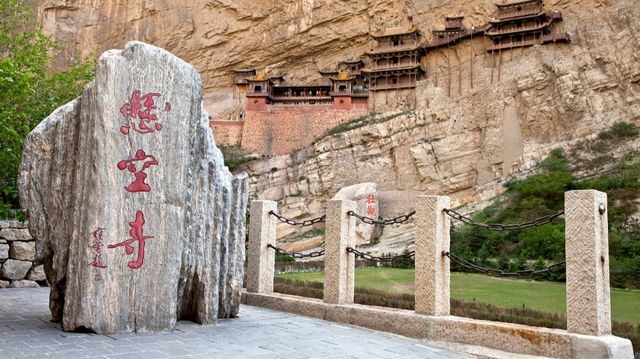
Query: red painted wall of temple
x=342, y=103
x=283, y=129
x=256, y=103
x=227, y=133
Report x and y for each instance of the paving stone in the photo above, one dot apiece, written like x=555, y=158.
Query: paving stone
x=25, y=332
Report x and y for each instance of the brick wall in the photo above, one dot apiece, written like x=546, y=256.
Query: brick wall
x=227, y=133
x=283, y=129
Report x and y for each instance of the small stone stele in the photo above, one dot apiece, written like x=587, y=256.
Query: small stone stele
x=366, y=197
x=139, y=222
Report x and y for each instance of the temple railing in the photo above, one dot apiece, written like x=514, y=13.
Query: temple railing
x=383, y=49
x=392, y=86
x=588, y=333
x=392, y=66
x=508, y=14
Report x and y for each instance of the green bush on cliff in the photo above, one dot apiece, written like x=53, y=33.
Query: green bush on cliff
x=29, y=91
x=543, y=194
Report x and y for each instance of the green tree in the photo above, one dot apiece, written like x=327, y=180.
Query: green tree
x=29, y=89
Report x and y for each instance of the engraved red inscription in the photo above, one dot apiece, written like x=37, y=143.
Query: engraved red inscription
x=137, y=165
x=136, y=236
x=371, y=199
x=96, y=245
x=140, y=107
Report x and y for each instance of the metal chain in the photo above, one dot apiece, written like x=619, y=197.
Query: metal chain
x=305, y=223
x=498, y=272
x=297, y=255
x=370, y=257
x=502, y=227
x=368, y=220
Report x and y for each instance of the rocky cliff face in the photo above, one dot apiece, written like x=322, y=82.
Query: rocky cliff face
x=479, y=118
x=465, y=141
x=295, y=37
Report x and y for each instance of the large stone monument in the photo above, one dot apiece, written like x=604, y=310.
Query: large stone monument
x=140, y=222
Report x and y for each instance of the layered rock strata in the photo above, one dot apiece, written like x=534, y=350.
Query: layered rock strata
x=140, y=222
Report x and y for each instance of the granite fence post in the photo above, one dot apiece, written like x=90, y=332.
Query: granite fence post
x=339, y=264
x=587, y=256
x=432, y=267
x=262, y=232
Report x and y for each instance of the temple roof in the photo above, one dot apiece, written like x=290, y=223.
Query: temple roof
x=343, y=76
x=393, y=49
x=253, y=71
x=517, y=2
x=328, y=71
x=454, y=17
x=352, y=61
x=395, y=31
x=301, y=86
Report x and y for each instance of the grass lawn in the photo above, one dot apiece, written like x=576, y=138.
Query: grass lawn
x=543, y=296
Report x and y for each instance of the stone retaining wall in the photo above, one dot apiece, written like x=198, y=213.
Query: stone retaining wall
x=20, y=266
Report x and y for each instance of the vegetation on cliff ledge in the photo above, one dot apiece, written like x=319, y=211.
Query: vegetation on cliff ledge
x=588, y=166
x=29, y=91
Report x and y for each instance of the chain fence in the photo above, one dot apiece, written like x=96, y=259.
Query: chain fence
x=397, y=220
x=499, y=272
x=503, y=227
x=373, y=258
x=297, y=255
x=305, y=223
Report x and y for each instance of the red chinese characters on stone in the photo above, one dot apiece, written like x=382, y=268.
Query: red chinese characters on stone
x=137, y=165
x=96, y=245
x=140, y=107
x=371, y=199
x=136, y=236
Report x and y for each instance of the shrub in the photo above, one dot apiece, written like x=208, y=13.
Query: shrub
x=284, y=258
x=29, y=91
x=619, y=131
x=555, y=162
x=235, y=156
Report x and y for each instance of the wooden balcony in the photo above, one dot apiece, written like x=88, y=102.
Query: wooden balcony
x=387, y=87
x=515, y=30
x=544, y=39
x=388, y=49
x=511, y=14
x=392, y=67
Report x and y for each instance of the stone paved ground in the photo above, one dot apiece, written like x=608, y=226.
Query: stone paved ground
x=26, y=332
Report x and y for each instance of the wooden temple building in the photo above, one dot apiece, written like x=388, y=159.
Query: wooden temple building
x=522, y=23
x=342, y=92
x=453, y=33
x=395, y=61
